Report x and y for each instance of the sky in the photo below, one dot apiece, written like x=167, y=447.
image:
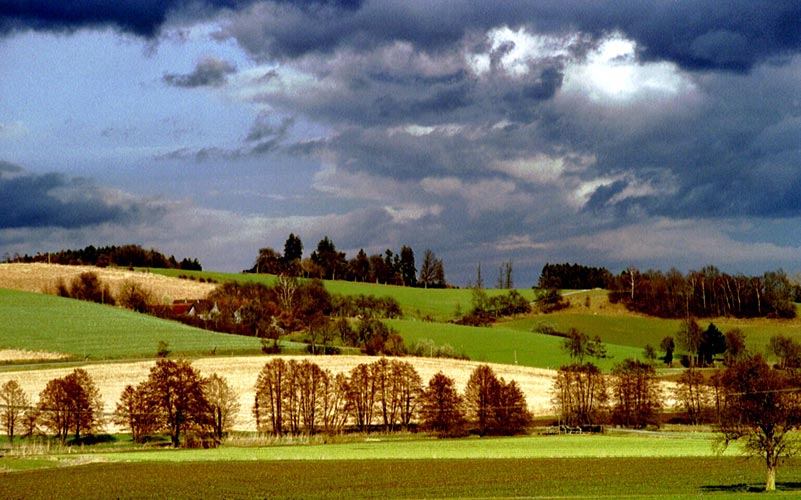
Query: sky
x=647, y=133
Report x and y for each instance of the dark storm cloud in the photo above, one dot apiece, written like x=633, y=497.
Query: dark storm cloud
x=8, y=168
x=209, y=72
x=694, y=34
x=142, y=17
x=53, y=200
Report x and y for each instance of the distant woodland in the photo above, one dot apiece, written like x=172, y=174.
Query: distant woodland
x=705, y=293
x=125, y=256
x=326, y=262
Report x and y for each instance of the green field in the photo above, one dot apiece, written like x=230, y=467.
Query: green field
x=634, y=331
x=84, y=330
x=39, y=322
x=637, y=331
x=603, y=466
x=612, y=478
x=502, y=344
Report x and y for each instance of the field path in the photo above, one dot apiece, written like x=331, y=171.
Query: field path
x=242, y=372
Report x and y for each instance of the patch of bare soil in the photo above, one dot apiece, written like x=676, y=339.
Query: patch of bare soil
x=44, y=278
x=242, y=372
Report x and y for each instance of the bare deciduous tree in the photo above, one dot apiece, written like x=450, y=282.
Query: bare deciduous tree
x=694, y=395
x=636, y=393
x=579, y=394
x=442, y=406
x=136, y=412
x=14, y=404
x=71, y=404
x=270, y=398
x=176, y=391
x=224, y=404
x=763, y=409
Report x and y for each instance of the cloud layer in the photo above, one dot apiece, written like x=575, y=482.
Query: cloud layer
x=54, y=201
x=605, y=132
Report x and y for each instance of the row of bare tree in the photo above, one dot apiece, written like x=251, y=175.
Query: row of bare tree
x=175, y=399
x=705, y=293
x=299, y=397
x=292, y=397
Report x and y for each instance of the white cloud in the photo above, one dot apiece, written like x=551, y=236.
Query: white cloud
x=516, y=50
x=447, y=130
x=402, y=214
x=612, y=74
x=543, y=169
x=582, y=193
x=520, y=242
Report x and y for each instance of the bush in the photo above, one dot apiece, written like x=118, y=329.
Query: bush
x=551, y=301
x=86, y=286
x=163, y=349
x=134, y=297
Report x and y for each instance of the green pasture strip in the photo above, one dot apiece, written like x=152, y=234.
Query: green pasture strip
x=39, y=322
x=758, y=331
x=584, y=478
x=500, y=344
x=376, y=448
x=441, y=305
x=435, y=303
x=213, y=276
x=637, y=331
x=633, y=331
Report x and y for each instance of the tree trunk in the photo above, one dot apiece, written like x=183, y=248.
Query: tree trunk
x=770, y=481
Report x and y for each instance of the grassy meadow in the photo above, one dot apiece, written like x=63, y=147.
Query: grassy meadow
x=503, y=344
x=88, y=331
x=427, y=315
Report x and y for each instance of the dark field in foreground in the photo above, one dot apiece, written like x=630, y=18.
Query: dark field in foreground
x=668, y=478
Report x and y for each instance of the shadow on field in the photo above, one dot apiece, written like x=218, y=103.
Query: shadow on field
x=750, y=488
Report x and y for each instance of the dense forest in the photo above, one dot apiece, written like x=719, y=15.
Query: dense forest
x=125, y=255
x=326, y=262
x=704, y=294
x=573, y=277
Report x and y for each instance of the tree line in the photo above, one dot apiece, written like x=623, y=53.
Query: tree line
x=326, y=262
x=125, y=256
x=573, y=277
x=292, y=398
x=705, y=293
x=175, y=400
